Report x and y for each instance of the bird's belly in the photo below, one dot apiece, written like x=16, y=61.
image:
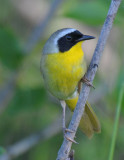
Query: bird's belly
x=65, y=82
x=62, y=73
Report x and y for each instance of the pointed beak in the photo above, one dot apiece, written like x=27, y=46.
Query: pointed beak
x=85, y=37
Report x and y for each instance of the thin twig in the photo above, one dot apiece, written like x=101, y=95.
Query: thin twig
x=115, y=129
x=6, y=93
x=66, y=146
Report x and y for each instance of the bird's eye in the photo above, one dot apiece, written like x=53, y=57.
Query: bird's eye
x=68, y=38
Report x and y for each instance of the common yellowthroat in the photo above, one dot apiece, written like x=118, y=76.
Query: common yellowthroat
x=63, y=66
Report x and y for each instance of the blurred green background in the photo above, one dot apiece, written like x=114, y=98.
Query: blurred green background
x=25, y=106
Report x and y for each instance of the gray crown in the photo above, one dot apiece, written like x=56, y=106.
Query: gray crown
x=51, y=45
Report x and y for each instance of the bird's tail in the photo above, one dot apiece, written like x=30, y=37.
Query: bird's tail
x=89, y=122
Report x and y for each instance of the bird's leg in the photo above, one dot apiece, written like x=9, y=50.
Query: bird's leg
x=65, y=130
x=85, y=80
x=63, y=104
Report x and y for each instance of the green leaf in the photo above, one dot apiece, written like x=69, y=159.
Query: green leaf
x=2, y=150
x=10, y=51
x=27, y=99
x=92, y=13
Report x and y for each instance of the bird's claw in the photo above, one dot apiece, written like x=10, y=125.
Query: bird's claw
x=71, y=140
x=68, y=130
x=86, y=81
x=65, y=130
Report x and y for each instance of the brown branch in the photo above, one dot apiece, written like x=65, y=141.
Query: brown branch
x=64, y=151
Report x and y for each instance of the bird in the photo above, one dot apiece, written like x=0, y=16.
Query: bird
x=63, y=67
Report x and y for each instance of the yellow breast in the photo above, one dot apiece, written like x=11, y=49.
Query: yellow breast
x=62, y=71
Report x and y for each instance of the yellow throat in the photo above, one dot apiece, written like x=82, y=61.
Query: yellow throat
x=63, y=71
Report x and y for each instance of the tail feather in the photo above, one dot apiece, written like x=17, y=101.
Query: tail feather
x=93, y=118
x=89, y=122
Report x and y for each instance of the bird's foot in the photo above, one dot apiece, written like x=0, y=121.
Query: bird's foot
x=71, y=140
x=65, y=130
x=86, y=81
